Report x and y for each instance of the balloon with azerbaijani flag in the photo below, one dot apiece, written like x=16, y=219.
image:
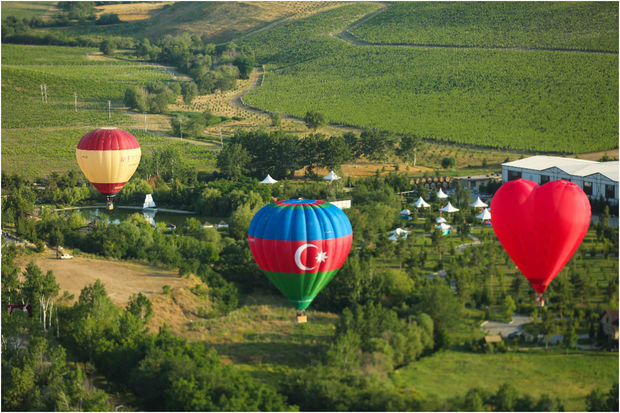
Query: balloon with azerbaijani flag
x=300, y=244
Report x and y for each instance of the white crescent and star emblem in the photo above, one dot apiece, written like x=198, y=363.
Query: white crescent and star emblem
x=321, y=257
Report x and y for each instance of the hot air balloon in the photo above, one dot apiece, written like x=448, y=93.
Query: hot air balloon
x=108, y=157
x=540, y=227
x=300, y=244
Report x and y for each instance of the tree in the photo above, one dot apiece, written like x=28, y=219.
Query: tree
x=233, y=161
x=376, y=145
x=548, y=327
x=135, y=98
x=108, y=18
x=140, y=306
x=245, y=64
x=508, y=308
x=314, y=120
x=107, y=47
x=448, y=163
x=505, y=398
x=189, y=91
x=409, y=145
x=276, y=119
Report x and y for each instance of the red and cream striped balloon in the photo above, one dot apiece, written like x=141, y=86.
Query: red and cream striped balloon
x=108, y=157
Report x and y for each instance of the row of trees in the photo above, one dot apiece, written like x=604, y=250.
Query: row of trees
x=261, y=152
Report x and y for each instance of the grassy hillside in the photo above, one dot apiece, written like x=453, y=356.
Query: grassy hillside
x=38, y=137
x=568, y=25
x=567, y=376
x=217, y=22
x=26, y=9
x=502, y=98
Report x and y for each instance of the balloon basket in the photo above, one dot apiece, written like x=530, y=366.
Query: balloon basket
x=302, y=318
x=540, y=300
x=109, y=204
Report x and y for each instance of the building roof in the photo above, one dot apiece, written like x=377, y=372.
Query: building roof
x=612, y=315
x=492, y=339
x=572, y=166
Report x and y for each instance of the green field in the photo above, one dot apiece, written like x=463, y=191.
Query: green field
x=565, y=25
x=567, y=376
x=65, y=71
x=501, y=98
x=25, y=9
x=37, y=137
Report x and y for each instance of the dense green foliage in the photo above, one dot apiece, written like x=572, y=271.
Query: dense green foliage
x=566, y=25
x=499, y=98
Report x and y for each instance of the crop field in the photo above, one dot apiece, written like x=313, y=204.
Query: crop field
x=565, y=25
x=35, y=152
x=65, y=71
x=567, y=376
x=38, y=138
x=531, y=100
x=26, y=9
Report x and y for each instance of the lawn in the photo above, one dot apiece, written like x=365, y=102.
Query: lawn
x=567, y=376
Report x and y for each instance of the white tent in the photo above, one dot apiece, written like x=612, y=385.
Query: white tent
x=443, y=226
x=420, y=203
x=148, y=202
x=331, y=177
x=441, y=194
x=449, y=208
x=397, y=234
x=405, y=212
x=478, y=204
x=268, y=180
x=485, y=216
x=440, y=220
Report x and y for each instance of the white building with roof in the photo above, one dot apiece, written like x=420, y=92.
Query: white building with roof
x=597, y=179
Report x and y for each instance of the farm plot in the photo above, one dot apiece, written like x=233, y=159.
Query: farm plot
x=65, y=71
x=565, y=25
x=510, y=99
x=34, y=151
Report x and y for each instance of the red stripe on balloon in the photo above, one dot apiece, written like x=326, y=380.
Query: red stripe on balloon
x=300, y=257
x=107, y=189
x=108, y=140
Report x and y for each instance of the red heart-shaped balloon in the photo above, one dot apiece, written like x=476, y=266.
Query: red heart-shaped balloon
x=540, y=227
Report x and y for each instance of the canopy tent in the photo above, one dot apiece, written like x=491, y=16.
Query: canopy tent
x=443, y=226
x=268, y=180
x=449, y=208
x=478, y=204
x=405, y=212
x=440, y=220
x=485, y=216
x=441, y=194
x=397, y=234
x=331, y=177
x=420, y=203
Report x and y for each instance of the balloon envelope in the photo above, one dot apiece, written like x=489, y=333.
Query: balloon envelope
x=540, y=227
x=300, y=245
x=108, y=157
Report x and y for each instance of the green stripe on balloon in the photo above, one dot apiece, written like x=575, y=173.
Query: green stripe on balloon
x=300, y=289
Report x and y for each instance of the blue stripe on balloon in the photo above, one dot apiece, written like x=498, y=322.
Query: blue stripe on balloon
x=300, y=223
